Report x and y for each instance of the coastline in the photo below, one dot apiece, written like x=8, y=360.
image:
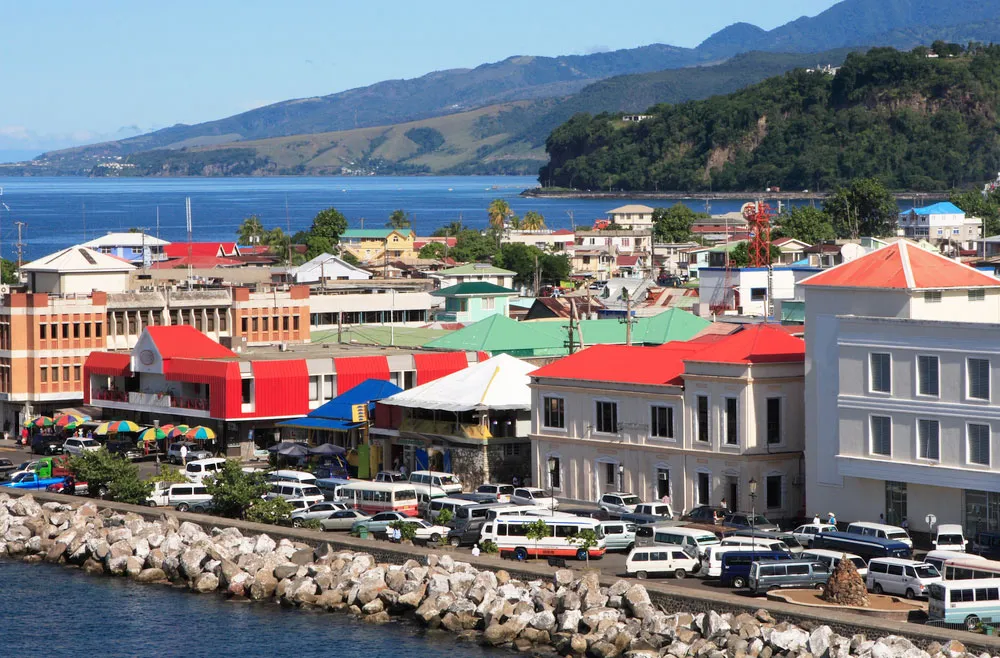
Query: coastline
x=542, y=193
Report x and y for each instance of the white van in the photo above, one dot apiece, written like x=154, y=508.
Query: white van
x=832, y=558
x=332, y=487
x=880, y=530
x=759, y=543
x=196, y=471
x=302, y=477
x=650, y=561
x=450, y=504
x=447, y=481
x=892, y=575
x=949, y=537
x=692, y=540
x=309, y=493
x=179, y=496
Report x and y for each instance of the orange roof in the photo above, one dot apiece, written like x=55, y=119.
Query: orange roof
x=185, y=341
x=758, y=343
x=902, y=266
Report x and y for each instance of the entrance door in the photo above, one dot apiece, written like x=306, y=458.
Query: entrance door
x=733, y=497
x=895, y=502
x=662, y=483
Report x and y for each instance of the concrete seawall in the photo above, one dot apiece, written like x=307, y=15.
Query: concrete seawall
x=661, y=594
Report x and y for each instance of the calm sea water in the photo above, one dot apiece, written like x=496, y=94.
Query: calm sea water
x=60, y=212
x=53, y=611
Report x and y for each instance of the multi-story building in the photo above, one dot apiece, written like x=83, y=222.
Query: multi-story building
x=130, y=246
x=474, y=272
x=547, y=239
x=695, y=421
x=941, y=224
x=378, y=245
x=634, y=216
x=903, y=423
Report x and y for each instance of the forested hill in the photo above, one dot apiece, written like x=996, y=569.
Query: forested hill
x=915, y=122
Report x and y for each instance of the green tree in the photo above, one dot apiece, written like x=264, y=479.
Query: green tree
x=863, y=208
x=585, y=539
x=251, y=231
x=740, y=255
x=349, y=258
x=434, y=250
x=277, y=510
x=407, y=531
x=673, y=224
x=811, y=225
x=111, y=475
x=533, y=221
x=536, y=531
x=450, y=230
x=499, y=213
x=398, y=219
x=985, y=207
x=329, y=224
x=445, y=516
x=473, y=246
x=8, y=271
x=278, y=243
x=168, y=474
x=235, y=491
x=521, y=259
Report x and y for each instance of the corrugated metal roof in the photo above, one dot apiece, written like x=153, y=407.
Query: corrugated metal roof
x=185, y=341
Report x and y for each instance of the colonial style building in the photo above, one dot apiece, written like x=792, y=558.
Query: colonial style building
x=902, y=347
x=695, y=421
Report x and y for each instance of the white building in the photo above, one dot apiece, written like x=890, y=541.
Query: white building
x=901, y=347
x=77, y=270
x=745, y=292
x=547, y=240
x=131, y=246
x=633, y=215
x=941, y=223
x=695, y=421
x=327, y=267
x=474, y=272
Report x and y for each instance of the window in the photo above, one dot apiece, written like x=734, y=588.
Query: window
x=554, y=481
x=772, y=491
x=65, y=373
x=263, y=323
x=65, y=331
x=555, y=412
x=76, y=373
x=704, y=488
x=295, y=323
x=86, y=330
x=928, y=439
x=662, y=422
x=732, y=422
x=927, y=375
x=284, y=323
x=977, y=295
x=246, y=390
x=76, y=330
x=43, y=374
x=881, y=376
x=881, y=435
x=254, y=324
x=758, y=294
x=55, y=373
x=98, y=329
x=979, y=379
x=243, y=324
x=774, y=420
x=703, y=418
x=42, y=331
x=607, y=417
x=932, y=296
x=979, y=444
x=609, y=473
x=314, y=387
x=489, y=303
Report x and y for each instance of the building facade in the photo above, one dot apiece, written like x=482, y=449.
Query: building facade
x=378, y=245
x=940, y=224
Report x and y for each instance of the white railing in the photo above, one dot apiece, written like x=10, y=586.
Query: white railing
x=149, y=399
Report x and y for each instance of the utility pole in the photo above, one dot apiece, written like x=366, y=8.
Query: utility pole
x=538, y=277
x=572, y=320
x=20, y=243
x=629, y=320
x=288, y=227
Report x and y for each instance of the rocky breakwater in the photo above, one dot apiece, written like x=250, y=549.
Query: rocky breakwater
x=565, y=615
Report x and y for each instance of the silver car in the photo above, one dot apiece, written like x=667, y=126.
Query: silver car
x=317, y=511
x=343, y=519
x=619, y=503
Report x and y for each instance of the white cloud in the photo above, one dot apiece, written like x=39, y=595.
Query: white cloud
x=21, y=137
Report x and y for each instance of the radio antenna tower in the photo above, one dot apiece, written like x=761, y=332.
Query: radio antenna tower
x=187, y=212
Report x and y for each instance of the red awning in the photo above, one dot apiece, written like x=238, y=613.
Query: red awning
x=281, y=388
x=109, y=363
x=435, y=366
x=353, y=370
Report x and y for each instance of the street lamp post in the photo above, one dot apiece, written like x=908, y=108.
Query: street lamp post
x=551, y=463
x=753, y=514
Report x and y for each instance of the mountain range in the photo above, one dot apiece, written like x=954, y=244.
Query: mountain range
x=495, y=118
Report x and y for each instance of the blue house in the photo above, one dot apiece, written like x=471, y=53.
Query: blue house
x=130, y=246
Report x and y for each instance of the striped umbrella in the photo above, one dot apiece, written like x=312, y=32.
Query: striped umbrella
x=39, y=421
x=70, y=421
x=116, y=426
x=177, y=431
x=152, y=434
x=200, y=433
x=166, y=428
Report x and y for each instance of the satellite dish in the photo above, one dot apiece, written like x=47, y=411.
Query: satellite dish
x=851, y=251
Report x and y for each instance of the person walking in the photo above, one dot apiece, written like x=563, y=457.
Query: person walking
x=397, y=535
x=184, y=455
x=515, y=481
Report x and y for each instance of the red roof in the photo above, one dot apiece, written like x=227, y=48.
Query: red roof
x=902, y=266
x=621, y=363
x=180, y=249
x=627, y=261
x=758, y=343
x=184, y=341
x=563, y=231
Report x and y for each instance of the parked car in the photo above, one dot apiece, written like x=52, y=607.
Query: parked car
x=79, y=488
x=6, y=468
x=787, y=537
x=180, y=496
x=807, y=532
x=502, y=492
x=534, y=496
x=318, y=511
x=30, y=480
x=389, y=476
x=775, y=574
x=647, y=513
x=735, y=569
x=831, y=558
x=589, y=513
x=123, y=447
x=343, y=519
x=292, y=491
x=744, y=519
x=895, y=576
x=475, y=497
x=949, y=537
x=378, y=523
x=704, y=514
x=193, y=452
x=447, y=481
x=466, y=533
x=650, y=561
x=619, y=503
x=427, y=531
x=76, y=445
x=618, y=535
x=880, y=530
x=43, y=444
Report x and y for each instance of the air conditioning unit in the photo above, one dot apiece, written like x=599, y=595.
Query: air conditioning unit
x=663, y=476
x=797, y=481
x=282, y=347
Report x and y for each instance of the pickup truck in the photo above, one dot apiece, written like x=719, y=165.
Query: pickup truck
x=647, y=513
x=30, y=480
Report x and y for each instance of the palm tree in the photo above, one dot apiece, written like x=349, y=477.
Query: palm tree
x=533, y=221
x=515, y=223
x=499, y=211
x=251, y=231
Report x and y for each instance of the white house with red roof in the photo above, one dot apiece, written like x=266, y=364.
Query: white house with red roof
x=902, y=345
x=695, y=421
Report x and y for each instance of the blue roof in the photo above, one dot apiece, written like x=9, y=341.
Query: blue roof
x=309, y=423
x=367, y=392
x=942, y=208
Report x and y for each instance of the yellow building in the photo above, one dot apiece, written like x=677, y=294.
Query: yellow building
x=377, y=244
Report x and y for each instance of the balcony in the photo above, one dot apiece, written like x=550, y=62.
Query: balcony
x=445, y=428
x=151, y=402
x=149, y=399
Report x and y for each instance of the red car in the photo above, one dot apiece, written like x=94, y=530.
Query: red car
x=81, y=488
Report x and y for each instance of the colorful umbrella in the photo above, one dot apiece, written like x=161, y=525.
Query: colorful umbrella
x=40, y=421
x=177, y=431
x=116, y=426
x=65, y=420
x=152, y=434
x=200, y=433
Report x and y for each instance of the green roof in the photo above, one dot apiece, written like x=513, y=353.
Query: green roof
x=793, y=311
x=500, y=333
x=379, y=233
x=719, y=248
x=474, y=289
x=474, y=268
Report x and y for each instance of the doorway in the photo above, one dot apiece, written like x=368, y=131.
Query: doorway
x=732, y=492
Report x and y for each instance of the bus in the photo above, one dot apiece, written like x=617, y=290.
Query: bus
x=969, y=567
x=375, y=497
x=509, y=535
x=864, y=547
x=964, y=603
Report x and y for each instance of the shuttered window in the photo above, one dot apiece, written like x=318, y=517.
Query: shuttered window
x=881, y=433
x=979, y=379
x=928, y=438
x=927, y=375
x=881, y=377
x=979, y=444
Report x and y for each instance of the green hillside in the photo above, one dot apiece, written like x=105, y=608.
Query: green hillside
x=915, y=122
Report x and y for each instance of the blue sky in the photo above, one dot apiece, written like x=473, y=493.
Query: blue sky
x=78, y=72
